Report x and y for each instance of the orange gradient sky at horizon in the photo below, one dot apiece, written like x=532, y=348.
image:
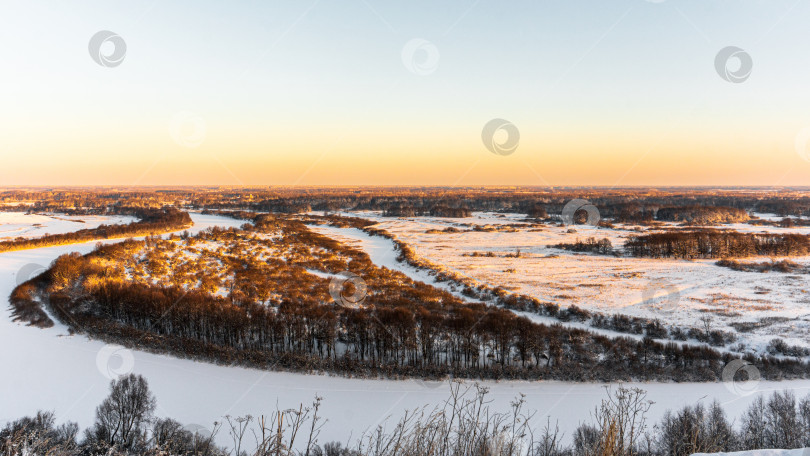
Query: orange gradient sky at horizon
x=625, y=94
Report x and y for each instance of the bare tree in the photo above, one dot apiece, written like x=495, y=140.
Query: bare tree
x=622, y=421
x=754, y=432
x=784, y=427
x=549, y=442
x=122, y=418
x=277, y=434
x=38, y=435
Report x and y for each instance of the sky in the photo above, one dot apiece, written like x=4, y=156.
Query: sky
x=351, y=92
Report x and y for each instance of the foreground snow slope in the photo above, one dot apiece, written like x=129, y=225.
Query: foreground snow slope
x=47, y=369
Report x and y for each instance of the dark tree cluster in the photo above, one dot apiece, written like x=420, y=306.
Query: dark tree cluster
x=602, y=246
x=786, y=222
x=785, y=266
x=447, y=211
x=716, y=244
x=439, y=210
x=632, y=325
x=778, y=346
x=26, y=305
x=702, y=215
x=778, y=421
x=281, y=206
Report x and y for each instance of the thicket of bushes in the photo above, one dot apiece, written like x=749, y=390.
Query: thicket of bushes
x=785, y=266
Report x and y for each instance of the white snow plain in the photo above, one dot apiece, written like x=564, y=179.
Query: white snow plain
x=50, y=370
x=778, y=304
x=28, y=225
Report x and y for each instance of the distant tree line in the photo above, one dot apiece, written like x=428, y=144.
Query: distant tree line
x=698, y=206
x=632, y=205
x=93, y=201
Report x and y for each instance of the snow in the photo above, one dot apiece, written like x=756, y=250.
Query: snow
x=49, y=370
x=22, y=224
x=631, y=286
x=382, y=252
x=321, y=274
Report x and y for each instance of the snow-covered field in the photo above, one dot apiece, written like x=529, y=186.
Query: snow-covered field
x=47, y=369
x=21, y=224
x=777, y=304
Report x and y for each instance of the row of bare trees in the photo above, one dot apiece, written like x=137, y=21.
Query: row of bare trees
x=464, y=424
